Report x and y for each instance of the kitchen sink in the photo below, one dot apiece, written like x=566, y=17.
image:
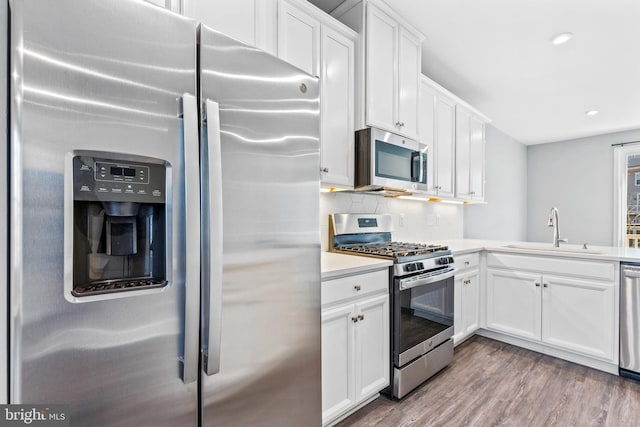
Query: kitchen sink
x=551, y=248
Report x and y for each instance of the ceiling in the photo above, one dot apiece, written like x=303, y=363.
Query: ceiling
x=497, y=55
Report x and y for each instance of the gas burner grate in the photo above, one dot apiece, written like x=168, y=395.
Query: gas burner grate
x=394, y=249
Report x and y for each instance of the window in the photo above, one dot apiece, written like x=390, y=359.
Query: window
x=626, y=196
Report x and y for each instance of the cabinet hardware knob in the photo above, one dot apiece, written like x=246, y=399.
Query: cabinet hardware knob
x=325, y=170
x=537, y=284
x=472, y=192
x=360, y=316
x=546, y=285
x=354, y=319
x=397, y=123
x=356, y=287
x=466, y=263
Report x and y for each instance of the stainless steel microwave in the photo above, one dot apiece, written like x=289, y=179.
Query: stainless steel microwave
x=389, y=163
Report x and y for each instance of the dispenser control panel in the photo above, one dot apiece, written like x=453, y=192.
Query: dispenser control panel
x=103, y=179
x=121, y=172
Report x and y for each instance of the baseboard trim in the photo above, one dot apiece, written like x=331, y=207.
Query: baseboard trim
x=600, y=365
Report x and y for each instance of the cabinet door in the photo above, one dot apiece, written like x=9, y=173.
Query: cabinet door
x=372, y=344
x=409, y=55
x=298, y=38
x=338, y=360
x=250, y=21
x=471, y=303
x=579, y=315
x=427, y=130
x=476, y=159
x=514, y=303
x=381, y=45
x=445, y=131
x=338, y=91
x=463, y=187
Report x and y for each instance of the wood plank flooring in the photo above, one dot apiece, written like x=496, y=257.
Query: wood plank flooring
x=491, y=383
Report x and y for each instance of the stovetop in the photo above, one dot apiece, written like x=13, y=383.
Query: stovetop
x=396, y=250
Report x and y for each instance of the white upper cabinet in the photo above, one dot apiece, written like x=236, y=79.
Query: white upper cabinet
x=393, y=61
x=427, y=130
x=387, y=69
x=382, y=42
x=469, y=155
x=445, y=141
x=409, y=64
x=454, y=132
x=320, y=45
x=338, y=93
x=250, y=21
x=298, y=38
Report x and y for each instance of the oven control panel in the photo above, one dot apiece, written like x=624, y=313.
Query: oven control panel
x=445, y=260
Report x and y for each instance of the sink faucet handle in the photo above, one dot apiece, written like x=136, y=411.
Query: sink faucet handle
x=585, y=246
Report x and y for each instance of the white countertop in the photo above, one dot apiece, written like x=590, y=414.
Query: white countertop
x=335, y=265
x=605, y=253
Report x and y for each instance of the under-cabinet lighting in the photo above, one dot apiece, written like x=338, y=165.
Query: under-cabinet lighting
x=561, y=38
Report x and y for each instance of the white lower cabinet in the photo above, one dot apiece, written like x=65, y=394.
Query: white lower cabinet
x=467, y=311
x=513, y=303
x=578, y=315
x=574, y=311
x=355, y=342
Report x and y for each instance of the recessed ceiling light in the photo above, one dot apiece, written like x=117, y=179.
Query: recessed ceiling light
x=592, y=112
x=562, y=38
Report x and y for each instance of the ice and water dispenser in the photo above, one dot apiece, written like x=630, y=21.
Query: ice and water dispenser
x=119, y=215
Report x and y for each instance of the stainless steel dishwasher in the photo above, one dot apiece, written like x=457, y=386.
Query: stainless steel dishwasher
x=630, y=320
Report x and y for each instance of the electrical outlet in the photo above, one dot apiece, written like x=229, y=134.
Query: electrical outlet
x=401, y=220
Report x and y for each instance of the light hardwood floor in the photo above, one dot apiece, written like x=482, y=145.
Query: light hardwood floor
x=491, y=383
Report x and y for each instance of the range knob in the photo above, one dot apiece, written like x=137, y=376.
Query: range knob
x=445, y=260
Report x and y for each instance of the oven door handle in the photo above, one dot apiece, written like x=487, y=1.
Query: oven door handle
x=408, y=283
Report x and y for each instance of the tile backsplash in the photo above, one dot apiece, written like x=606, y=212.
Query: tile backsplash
x=413, y=221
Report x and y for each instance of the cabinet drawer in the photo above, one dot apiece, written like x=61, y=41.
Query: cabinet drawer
x=354, y=286
x=463, y=262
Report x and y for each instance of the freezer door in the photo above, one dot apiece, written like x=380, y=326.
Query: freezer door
x=107, y=76
x=261, y=278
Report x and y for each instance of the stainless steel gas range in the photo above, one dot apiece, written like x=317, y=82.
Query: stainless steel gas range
x=421, y=291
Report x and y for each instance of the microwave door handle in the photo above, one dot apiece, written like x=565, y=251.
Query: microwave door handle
x=416, y=166
x=213, y=315
x=189, y=359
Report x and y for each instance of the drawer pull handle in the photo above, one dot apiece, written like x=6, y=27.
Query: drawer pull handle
x=356, y=287
x=360, y=316
x=546, y=285
x=354, y=319
x=466, y=263
x=537, y=284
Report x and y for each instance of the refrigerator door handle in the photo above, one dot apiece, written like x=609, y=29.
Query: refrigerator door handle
x=189, y=360
x=214, y=161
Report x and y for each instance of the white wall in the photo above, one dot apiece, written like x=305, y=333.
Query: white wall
x=504, y=217
x=576, y=176
x=423, y=221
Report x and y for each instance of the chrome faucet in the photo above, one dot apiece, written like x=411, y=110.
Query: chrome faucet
x=553, y=222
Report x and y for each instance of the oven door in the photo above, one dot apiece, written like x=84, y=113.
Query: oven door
x=422, y=314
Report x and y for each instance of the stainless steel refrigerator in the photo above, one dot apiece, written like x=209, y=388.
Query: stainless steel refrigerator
x=161, y=221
